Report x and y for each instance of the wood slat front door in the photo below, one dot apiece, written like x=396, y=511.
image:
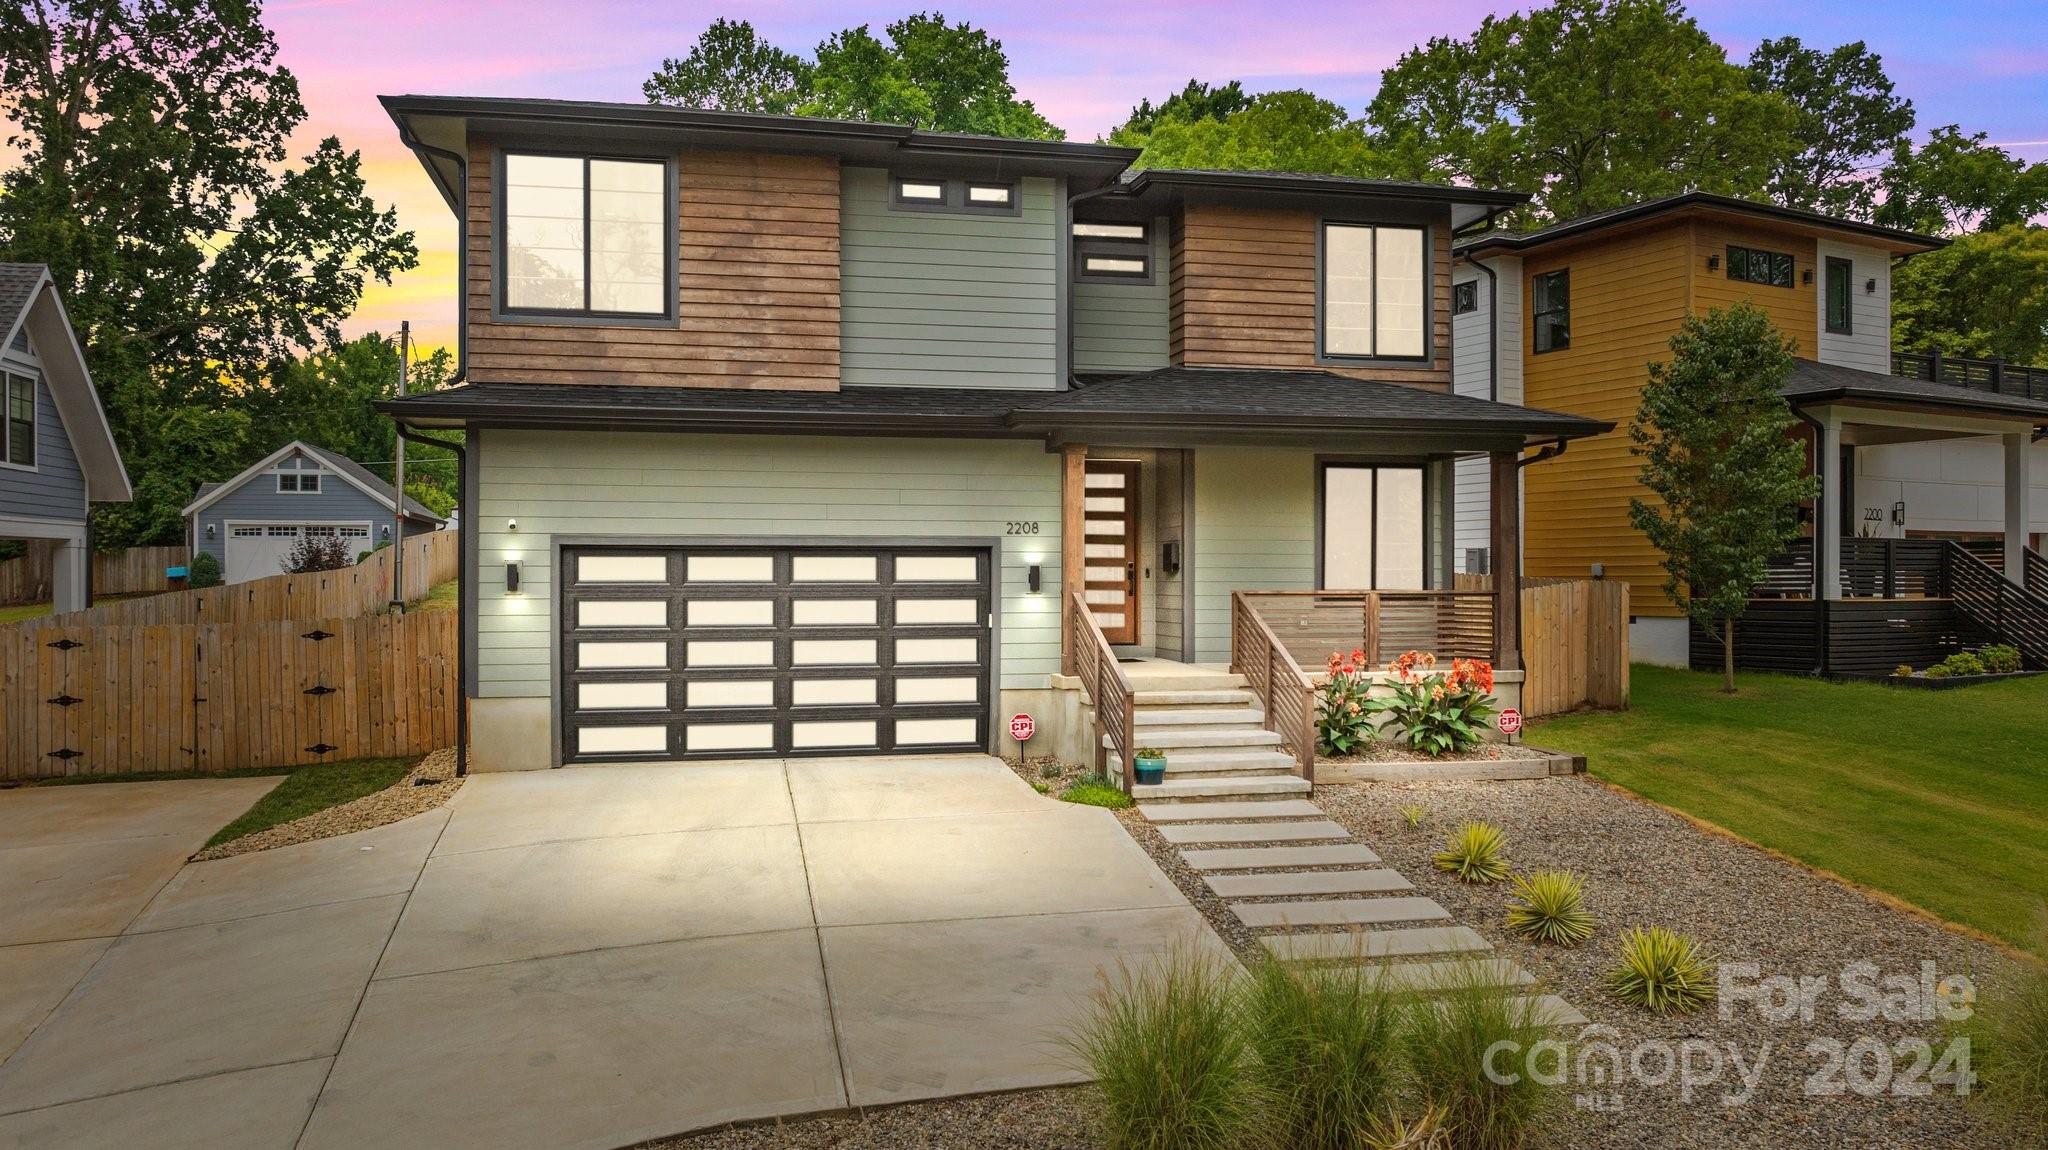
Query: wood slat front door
x=1110, y=546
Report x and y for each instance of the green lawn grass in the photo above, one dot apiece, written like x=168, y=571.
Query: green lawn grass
x=1939, y=798
x=441, y=597
x=24, y=611
x=314, y=788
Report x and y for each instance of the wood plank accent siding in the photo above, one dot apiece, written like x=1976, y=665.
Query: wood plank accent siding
x=758, y=286
x=1243, y=294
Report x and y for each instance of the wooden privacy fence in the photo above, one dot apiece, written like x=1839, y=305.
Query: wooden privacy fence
x=136, y=570
x=1574, y=645
x=429, y=559
x=95, y=700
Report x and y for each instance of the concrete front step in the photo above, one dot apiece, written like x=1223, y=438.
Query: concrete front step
x=1429, y=977
x=1185, y=834
x=1199, y=738
x=1550, y=1010
x=1301, y=883
x=1256, y=858
x=1216, y=788
x=1143, y=717
x=1324, y=946
x=1209, y=812
x=1165, y=699
x=1339, y=912
x=1147, y=681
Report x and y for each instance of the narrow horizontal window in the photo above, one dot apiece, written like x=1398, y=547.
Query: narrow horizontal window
x=1111, y=251
x=586, y=236
x=1109, y=231
x=921, y=191
x=1756, y=266
x=1113, y=266
x=991, y=195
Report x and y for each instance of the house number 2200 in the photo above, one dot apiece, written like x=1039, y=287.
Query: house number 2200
x=1021, y=528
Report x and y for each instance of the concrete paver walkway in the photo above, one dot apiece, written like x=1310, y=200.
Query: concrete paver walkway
x=597, y=956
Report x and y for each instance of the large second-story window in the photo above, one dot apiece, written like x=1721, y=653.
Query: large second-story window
x=586, y=236
x=1550, y=309
x=18, y=405
x=1375, y=298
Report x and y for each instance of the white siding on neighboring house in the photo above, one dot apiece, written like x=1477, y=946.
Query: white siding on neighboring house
x=1868, y=345
x=1469, y=376
x=1952, y=486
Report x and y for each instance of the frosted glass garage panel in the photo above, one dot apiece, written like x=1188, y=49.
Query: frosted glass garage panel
x=729, y=693
x=832, y=652
x=622, y=569
x=833, y=692
x=652, y=740
x=731, y=568
x=736, y=653
x=958, y=689
x=833, y=613
x=937, y=650
x=930, y=732
x=729, y=737
x=832, y=569
x=732, y=613
x=607, y=655
x=848, y=733
x=936, y=569
x=621, y=696
x=622, y=613
x=933, y=611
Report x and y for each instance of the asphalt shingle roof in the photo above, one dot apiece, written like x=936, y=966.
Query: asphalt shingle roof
x=17, y=285
x=1812, y=382
x=363, y=475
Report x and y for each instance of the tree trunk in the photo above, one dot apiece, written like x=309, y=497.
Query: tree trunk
x=1728, y=654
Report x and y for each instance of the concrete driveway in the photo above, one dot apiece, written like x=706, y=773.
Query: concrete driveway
x=597, y=956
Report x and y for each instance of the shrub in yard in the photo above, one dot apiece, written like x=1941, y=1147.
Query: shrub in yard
x=1096, y=791
x=315, y=553
x=2000, y=658
x=1550, y=906
x=1436, y=713
x=1051, y=771
x=1902, y=671
x=1476, y=852
x=203, y=571
x=1960, y=663
x=1663, y=970
x=1426, y=1131
x=1344, y=723
x=2008, y=1033
x=1413, y=814
x=1446, y=1041
x=1168, y=1050
x=1325, y=1042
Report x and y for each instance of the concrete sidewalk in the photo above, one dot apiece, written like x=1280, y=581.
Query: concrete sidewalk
x=596, y=956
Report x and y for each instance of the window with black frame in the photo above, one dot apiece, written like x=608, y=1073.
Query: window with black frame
x=1757, y=266
x=1112, y=251
x=1373, y=528
x=585, y=236
x=1841, y=275
x=19, y=394
x=1550, y=310
x=1375, y=299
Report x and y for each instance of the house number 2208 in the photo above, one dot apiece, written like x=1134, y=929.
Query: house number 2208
x=1016, y=527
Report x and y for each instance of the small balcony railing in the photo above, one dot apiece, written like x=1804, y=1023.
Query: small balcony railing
x=1992, y=375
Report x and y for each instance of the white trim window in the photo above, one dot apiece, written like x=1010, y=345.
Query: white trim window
x=296, y=479
x=1375, y=291
x=18, y=412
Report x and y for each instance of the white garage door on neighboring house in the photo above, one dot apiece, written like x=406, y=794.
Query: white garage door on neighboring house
x=258, y=550
x=733, y=651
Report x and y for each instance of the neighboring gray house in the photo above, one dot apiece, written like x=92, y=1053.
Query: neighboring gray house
x=57, y=454
x=250, y=522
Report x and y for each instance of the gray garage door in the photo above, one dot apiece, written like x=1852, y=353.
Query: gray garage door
x=734, y=651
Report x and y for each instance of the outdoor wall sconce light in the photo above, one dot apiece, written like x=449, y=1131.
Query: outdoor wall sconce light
x=1713, y=263
x=387, y=531
x=511, y=525
x=1870, y=287
x=209, y=531
x=1806, y=277
x=512, y=578
x=1899, y=513
x=1034, y=579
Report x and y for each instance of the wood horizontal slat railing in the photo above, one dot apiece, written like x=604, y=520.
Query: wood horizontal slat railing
x=1312, y=624
x=1997, y=604
x=1107, y=685
x=1893, y=568
x=1286, y=693
x=1991, y=375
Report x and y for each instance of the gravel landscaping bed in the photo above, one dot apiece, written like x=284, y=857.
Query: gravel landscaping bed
x=1027, y=1120
x=401, y=800
x=1387, y=751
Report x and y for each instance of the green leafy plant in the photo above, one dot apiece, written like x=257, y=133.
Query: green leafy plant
x=1960, y=663
x=1326, y=1051
x=1903, y=671
x=1550, y=906
x=1168, y=1049
x=1446, y=1041
x=1476, y=852
x=1096, y=791
x=1344, y=720
x=203, y=571
x=2008, y=1033
x=1663, y=970
x=1390, y=1131
x=1148, y=753
x=1433, y=712
x=2000, y=658
x=1051, y=771
x=1041, y=788
x=1413, y=814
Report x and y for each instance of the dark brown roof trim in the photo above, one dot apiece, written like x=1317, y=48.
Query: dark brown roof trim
x=1586, y=225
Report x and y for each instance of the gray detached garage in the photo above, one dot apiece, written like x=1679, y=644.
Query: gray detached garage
x=736, y=649
x=253, y=520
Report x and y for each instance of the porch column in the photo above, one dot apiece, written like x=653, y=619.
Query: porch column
x=1828, y=524
x=1073, y=537
x=2018, y=512
x=1506, y=545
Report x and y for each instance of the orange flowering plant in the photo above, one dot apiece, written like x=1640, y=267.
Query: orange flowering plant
x=1435, y=712
x=1344, y=724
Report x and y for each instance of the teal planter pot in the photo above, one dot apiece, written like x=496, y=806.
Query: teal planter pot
x=1150, y=768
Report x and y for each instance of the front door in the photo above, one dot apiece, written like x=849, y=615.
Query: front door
x=1110, y=549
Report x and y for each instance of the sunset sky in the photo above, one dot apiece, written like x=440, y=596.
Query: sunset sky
x=1983, y=65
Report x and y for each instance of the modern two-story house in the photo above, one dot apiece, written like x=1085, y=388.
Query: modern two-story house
x=793, y=436
x=1909, y=449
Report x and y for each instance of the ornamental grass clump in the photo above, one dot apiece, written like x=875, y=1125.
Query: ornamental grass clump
x=1476, y=852
x=2008, y=1033
x=1437, y=713
x=1344, y=722
x=1168, y=1050
x=1550, y=906
x=1326, y=1054
x=1447, y=1040
x=1663, y=970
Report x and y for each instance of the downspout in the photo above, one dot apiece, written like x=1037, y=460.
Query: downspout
x=1820, y=606
x=465, y=594
x=1548, y=451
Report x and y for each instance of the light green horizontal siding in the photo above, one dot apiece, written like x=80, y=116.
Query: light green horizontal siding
x=574, y=483
x=947, y=299
x=1123, y=327
x=1254, y=531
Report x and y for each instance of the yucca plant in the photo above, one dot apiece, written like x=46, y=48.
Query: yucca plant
x=1446, y=1039
x=1413, y=814
x=1663, y=970
x=1392, y=1132
x=1326, y=1054
x=1550, y=906
x=1476, y=852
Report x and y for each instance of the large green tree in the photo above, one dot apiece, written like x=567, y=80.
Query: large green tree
x=1291, y=131
x=153, y=176
x=1714, y=437
x=1957, y=182
x=1847, y=119
x=1589, y=104
x=928, y=73
x=1196, y=101
x=1985, y=296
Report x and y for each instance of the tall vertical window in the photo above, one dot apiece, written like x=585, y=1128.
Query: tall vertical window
x=1841, y=274
x=1375, y=298
x=586, y=236
x=18, y=397
x=1550, y=309
x=1372, y=528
